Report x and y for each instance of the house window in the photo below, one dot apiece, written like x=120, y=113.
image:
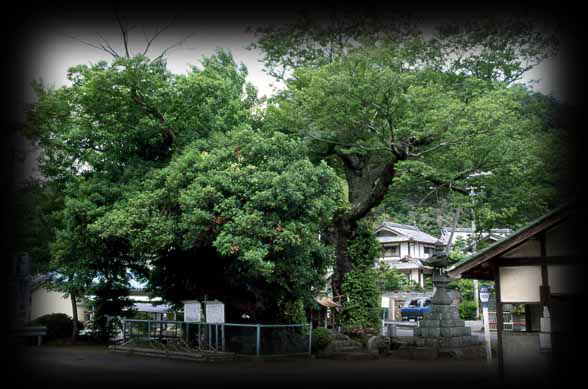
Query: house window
x=391, y=251
x=429, y=250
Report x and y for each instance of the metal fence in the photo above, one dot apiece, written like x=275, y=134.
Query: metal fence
x=248, y=339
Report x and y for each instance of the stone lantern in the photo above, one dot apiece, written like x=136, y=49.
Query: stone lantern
x=442, y=331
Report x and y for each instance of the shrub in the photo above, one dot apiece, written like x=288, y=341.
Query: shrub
x=59, y=325
x=467, y=310
x=321, y=338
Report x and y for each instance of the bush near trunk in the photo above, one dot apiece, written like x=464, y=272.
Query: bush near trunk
x=321, y=338
x=59, y=325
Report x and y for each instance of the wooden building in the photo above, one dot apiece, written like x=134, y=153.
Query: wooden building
x=404, y=247
x=540, y=268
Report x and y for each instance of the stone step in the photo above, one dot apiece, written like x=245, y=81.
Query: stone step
x=349, y=348
x=352, y=356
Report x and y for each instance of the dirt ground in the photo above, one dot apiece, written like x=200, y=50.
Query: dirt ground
x=97, y=366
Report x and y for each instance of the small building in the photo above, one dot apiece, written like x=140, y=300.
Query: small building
x=45, y=301
x=538, y=268
x=472, y=238
x=156, y=312
x=404, y=247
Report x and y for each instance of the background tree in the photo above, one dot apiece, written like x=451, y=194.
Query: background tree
x=100, y=136
x=236, y=218
x=402, y=110
x=375, y=120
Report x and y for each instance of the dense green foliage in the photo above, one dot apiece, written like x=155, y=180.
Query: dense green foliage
x=166, y=176
x=59, y=325
x=110, y=303
x=361, y=308
x=392, y=280
x=248, y=196
x=467, y=310
x=185, y=182
x=321, y=338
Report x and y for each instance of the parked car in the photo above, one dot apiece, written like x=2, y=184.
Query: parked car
x=415, y=309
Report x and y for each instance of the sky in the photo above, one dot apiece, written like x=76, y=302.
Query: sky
x=59, y=48
x=53, y=43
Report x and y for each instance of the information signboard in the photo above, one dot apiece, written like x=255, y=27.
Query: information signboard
x=215, y=312
x=192, y=311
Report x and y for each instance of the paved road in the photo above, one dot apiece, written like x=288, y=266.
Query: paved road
x=52, y=366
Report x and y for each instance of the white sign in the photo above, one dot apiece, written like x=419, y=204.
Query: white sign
x=192, y=311
x=520, y=284
x=484, y=294
x=215, y=312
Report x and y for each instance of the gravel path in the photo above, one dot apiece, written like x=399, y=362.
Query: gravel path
x=88, y=365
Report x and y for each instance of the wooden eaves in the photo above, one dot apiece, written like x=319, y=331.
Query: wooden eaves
x=481, y=265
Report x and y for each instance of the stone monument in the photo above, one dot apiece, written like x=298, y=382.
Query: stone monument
x=442, y=332
x=20, y=288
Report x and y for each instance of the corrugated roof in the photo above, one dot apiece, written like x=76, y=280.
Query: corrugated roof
x=146, y=307
x=495, y=233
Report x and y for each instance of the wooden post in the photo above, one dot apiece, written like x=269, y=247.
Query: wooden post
x=499, y=324
x=545, y=296
x=310, y=339
x=484, y=297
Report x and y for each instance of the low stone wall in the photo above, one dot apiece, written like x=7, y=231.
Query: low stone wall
x=472, y=352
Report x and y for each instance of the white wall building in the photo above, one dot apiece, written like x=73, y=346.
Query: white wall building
x=472, y=238
x=404, y=248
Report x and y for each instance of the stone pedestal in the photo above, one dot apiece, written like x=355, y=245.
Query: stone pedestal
x=441, y=331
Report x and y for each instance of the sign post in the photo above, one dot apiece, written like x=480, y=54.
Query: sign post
x=484, y=297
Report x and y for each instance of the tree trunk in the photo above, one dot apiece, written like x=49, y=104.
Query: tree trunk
x=368, y=179
x=342, y=231
x=74, y=309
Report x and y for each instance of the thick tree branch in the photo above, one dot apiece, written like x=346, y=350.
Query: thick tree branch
x=168, y=132
x=124, y=34
x=377, y=192
x=157, y=33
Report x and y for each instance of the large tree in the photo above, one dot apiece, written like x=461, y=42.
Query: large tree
x=99, y=136
x=167, y=176
x=441, y=113
x=237, y=218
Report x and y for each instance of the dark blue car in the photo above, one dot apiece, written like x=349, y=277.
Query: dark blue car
x=415, y=309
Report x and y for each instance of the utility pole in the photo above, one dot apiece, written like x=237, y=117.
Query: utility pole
x=474, y=247
x=485, y=296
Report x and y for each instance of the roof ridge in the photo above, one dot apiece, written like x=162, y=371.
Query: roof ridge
x=404, y=226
